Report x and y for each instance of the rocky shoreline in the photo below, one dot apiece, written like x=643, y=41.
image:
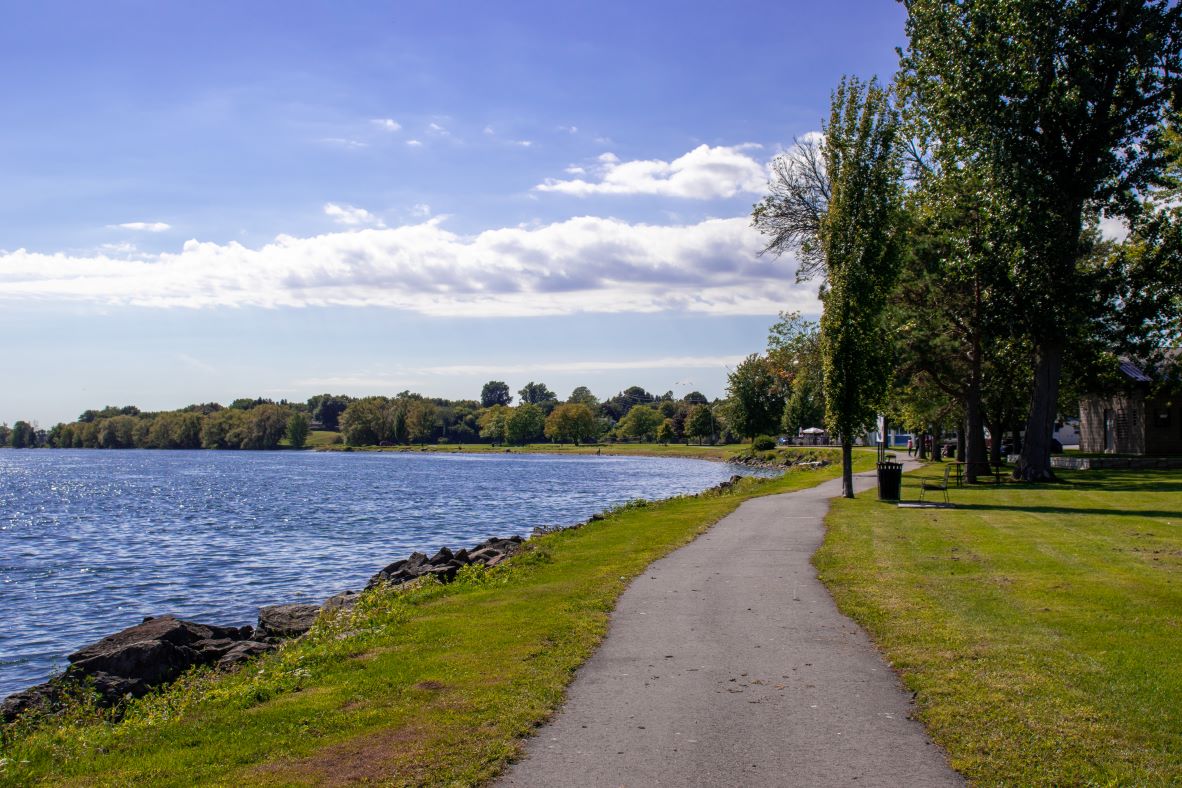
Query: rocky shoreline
x=157, y=651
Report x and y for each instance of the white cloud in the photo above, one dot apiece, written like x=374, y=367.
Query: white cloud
x=584, y=264
x=575, y=170
x=489, y=130
x=414, y=143
x=702, y=174
x=420, y=210
x=435, y=128
x=351, y=216
x=386, y=124
x=343, y=142
x=569, y=129
x=146, y=227
x=396, y=377
x=119, y=248
x=524, y=143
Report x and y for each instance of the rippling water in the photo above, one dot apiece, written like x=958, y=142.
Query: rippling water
x=92, y=541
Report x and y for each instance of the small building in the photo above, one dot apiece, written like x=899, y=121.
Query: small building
x=1140, y=418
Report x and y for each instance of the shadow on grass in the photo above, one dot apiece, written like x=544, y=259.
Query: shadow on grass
x=1068, y=510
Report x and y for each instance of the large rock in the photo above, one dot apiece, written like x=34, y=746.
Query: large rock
x=242, y=651
x=42, y=698
x=286, y=621
x=154, y=652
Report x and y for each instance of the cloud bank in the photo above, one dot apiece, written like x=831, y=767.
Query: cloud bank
x=584, y=264
x=705, y=173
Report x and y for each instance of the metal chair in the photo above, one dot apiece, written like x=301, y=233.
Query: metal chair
x=932, y=483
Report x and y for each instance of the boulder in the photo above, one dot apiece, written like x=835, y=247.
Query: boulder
x=242, y=651
x=442, y=557
x=286, y=621
x=42, y=698
x=153, y=652
x=346, y=600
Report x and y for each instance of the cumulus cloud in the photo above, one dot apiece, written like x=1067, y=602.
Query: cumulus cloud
x=584, y=264
x=351, y=216
x=702, y=174
x=414, y=143
x=146, y=227
x=387, y=124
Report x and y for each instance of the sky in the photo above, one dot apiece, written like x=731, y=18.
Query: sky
x=206, y=201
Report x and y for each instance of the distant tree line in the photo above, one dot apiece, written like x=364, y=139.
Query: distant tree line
x=760, y=391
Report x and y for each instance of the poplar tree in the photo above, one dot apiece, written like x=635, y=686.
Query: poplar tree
x=859, y=237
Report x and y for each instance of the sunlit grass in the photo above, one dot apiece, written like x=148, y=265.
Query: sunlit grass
x=1040, y=626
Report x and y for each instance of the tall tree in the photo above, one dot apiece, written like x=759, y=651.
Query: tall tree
x=756, y=401
x=1060, y=100
x=860, y=242
x=297, y=430
x=571, y=421
x=538, y=394
x=495, y=392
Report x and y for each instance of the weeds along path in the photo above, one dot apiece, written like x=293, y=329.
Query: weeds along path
x=727, y=663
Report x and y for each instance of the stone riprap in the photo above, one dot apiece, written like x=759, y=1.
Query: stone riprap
x=132, y=662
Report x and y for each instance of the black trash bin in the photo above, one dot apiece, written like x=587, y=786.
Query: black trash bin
x=890, y=481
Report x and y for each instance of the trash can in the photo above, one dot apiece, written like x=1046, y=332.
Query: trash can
x=890, y=481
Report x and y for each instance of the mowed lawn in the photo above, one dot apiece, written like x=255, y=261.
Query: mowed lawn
x=1040, y=626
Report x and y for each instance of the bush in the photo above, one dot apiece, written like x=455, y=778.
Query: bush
x=764, y=443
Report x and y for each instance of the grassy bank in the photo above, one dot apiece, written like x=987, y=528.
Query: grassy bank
x=432, y=685
x=1040, y=626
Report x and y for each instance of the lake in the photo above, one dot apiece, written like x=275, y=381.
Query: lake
x=92, y=541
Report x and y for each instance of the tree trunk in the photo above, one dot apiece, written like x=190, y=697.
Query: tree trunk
x=923, y=446
x=1035, y=463
x=847, y=468
x=994, y=426
x=974, y=443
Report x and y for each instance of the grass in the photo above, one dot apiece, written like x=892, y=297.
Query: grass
x=1039, y=626
x=437, y=684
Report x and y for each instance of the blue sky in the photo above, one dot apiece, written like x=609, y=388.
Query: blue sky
x=210, y=200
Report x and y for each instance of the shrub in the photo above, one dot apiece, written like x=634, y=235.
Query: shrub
x=764, y=443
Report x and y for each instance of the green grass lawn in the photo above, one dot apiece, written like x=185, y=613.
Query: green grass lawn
x=1040, y=626
x=433, y=685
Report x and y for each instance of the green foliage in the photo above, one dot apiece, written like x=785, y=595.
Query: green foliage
x=583, y=396
x=860, y=238
x=536, y=394
x=570, y=422
x=421, y=418
x=756, y=401
x=700, y=423
x=297, y=430
x=763, y=443
x=22, y=436
x=526, y=423
x=666, y=433
x=494, y=423
x=495, y=392
x=641, y=421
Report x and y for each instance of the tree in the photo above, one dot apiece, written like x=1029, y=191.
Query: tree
x=860, y=244
x=494, y=423
x=525, y=424
x=327, y=409
x=700, y=423
x=1061, y=101
x=641, y=422
x=583, y=396
x=695, y=398
x=570, y=422
x=796, y=203
x=756, y=404
x=495, y=392
x=619, y=405
x=22, y=436
x=297, y=430
x=265, y=426
x=537, y=394
x=421, y=417
x=666, y=432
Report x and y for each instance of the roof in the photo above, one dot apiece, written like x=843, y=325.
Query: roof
x=1133, y=371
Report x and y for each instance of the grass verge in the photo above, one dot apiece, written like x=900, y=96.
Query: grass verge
x=1039, y=626
x=436, y=684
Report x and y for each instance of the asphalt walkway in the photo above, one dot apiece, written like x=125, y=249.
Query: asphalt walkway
x=728, y=664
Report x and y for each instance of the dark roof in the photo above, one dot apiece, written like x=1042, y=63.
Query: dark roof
x=1133, y=371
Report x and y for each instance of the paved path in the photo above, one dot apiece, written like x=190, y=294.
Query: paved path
x=727, y=664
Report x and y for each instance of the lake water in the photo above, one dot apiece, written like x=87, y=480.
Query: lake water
x=93, y=541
